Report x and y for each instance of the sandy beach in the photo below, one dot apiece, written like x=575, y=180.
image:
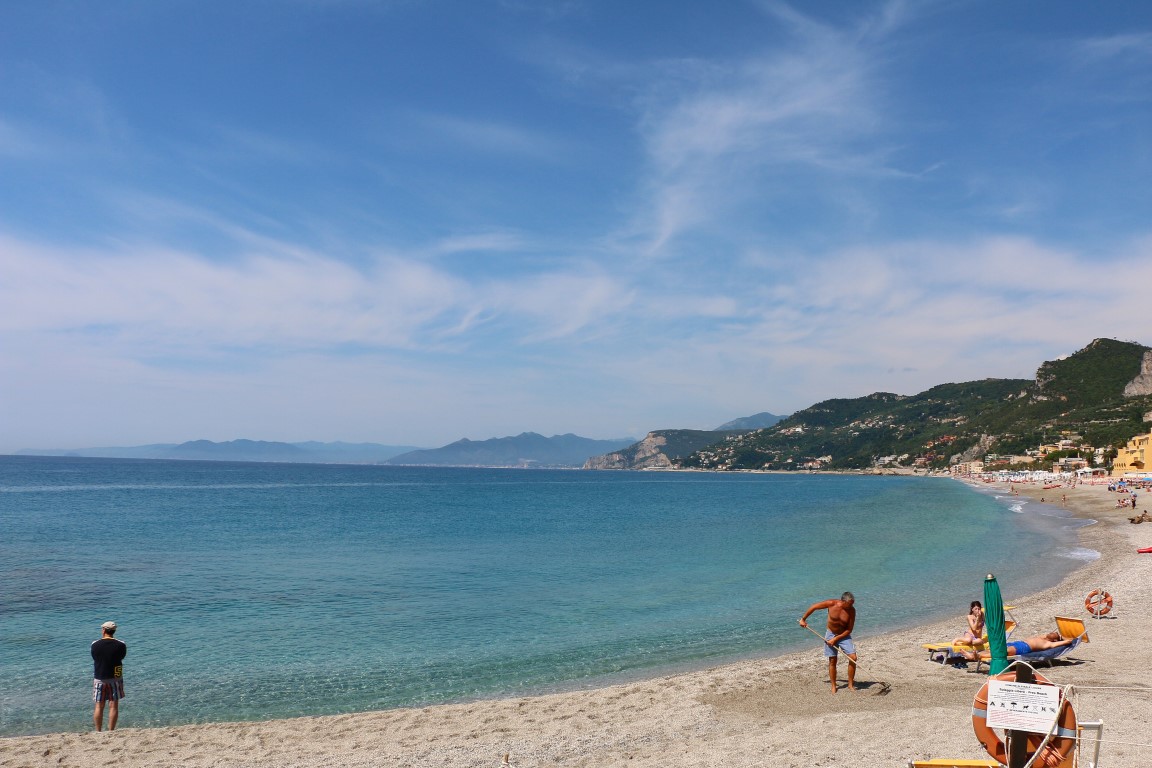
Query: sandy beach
x=769, y=712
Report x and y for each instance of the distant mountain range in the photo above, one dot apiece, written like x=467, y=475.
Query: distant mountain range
x=659, y=449
x=524, y=450
x=243, y=450
x=1101, y=396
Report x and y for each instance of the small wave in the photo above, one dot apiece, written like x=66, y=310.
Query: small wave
x=1082, y=554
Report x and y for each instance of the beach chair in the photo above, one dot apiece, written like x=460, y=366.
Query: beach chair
x=942, y=652
x=1072, y=628
x=1045, y=657
x=1097, y=726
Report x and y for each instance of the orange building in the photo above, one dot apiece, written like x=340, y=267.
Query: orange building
x=1134, y=456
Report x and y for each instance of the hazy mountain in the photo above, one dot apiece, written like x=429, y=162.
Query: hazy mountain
x=756, y=421
x=243, y=450
x=524, y=450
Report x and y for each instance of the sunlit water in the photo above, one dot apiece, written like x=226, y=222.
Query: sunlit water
x=254, y=591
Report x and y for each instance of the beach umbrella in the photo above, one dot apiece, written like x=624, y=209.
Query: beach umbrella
x=994, y=620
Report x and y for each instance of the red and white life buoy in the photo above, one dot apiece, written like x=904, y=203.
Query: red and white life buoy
x=1057, y=753
x=1098, y=602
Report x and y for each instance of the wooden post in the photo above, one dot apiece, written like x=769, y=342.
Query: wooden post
x=1018, y=740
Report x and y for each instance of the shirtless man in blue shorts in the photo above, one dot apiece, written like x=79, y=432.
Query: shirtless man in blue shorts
x=841, y=620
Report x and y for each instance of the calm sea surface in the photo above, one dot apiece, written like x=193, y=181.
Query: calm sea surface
x=254, y=591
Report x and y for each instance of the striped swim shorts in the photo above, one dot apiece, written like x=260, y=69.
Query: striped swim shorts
x=108, y=690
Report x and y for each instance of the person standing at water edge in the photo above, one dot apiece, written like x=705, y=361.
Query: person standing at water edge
x=841, y=620
x=108, y=675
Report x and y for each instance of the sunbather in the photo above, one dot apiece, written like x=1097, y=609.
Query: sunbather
x=975, y=632
x=1027, y=645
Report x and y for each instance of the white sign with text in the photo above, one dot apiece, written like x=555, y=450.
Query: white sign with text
x=1022, y=706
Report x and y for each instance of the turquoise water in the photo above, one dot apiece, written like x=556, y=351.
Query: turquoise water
x=253, y=591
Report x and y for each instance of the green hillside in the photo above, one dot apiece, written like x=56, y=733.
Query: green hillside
x=1080, y=395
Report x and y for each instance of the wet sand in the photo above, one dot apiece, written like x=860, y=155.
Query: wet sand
x=769, y=712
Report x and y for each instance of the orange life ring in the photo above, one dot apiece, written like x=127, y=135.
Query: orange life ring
x=1098, y=602
x=1056, y=753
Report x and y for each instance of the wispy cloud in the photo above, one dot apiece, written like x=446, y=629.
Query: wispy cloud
x=501, y=242
x=460, y=133
x=1135, y=47
x=804, y=104
x=143, y=300
x=19, y=142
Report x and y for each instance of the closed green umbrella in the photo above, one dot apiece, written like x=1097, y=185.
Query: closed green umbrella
x=994, y=620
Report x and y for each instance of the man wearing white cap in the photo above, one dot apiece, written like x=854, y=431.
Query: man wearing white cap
x=108, y=675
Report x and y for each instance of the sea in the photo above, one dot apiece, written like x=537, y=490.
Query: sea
x=251, y=591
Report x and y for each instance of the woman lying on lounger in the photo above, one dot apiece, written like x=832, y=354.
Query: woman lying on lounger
x=1027, y=645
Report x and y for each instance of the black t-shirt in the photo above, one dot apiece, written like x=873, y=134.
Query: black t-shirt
x=108, y=655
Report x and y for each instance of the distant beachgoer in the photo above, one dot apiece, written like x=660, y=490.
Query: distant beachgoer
x=841, y=620
x=974, y=635
x=108, y=675
x=1027, y=645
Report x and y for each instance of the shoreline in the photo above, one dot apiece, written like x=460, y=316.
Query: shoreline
x=775, y=710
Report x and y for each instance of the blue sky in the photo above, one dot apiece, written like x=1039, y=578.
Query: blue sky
x=413, y=221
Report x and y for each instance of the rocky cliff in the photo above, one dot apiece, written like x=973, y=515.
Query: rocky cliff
x=646, y=454
x=661, y=449
x=1142, y=384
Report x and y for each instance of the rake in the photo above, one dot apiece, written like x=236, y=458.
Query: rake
x=885, y=688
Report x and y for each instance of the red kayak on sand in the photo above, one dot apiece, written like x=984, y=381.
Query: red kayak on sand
x=1145, y=550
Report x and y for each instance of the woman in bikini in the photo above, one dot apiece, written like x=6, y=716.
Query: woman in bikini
x=974, y=635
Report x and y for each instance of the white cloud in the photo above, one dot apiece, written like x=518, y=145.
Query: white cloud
x=151, y=301
x=490, y=136
x=19, y=142
x=156, y=345
x=805, y=105
x=1135, y=46
x=500, y=242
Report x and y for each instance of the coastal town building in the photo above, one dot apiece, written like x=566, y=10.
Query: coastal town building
x=1133, y=457
x=999, y=461
x=965, y=468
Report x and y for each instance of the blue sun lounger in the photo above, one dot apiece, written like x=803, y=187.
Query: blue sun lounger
x=1045, y=657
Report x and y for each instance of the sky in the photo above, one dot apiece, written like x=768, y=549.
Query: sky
x=413, y=221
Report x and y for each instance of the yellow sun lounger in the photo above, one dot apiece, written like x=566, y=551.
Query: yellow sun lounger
x=943, y=651
x=1072, y=628
x=1097, y=726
